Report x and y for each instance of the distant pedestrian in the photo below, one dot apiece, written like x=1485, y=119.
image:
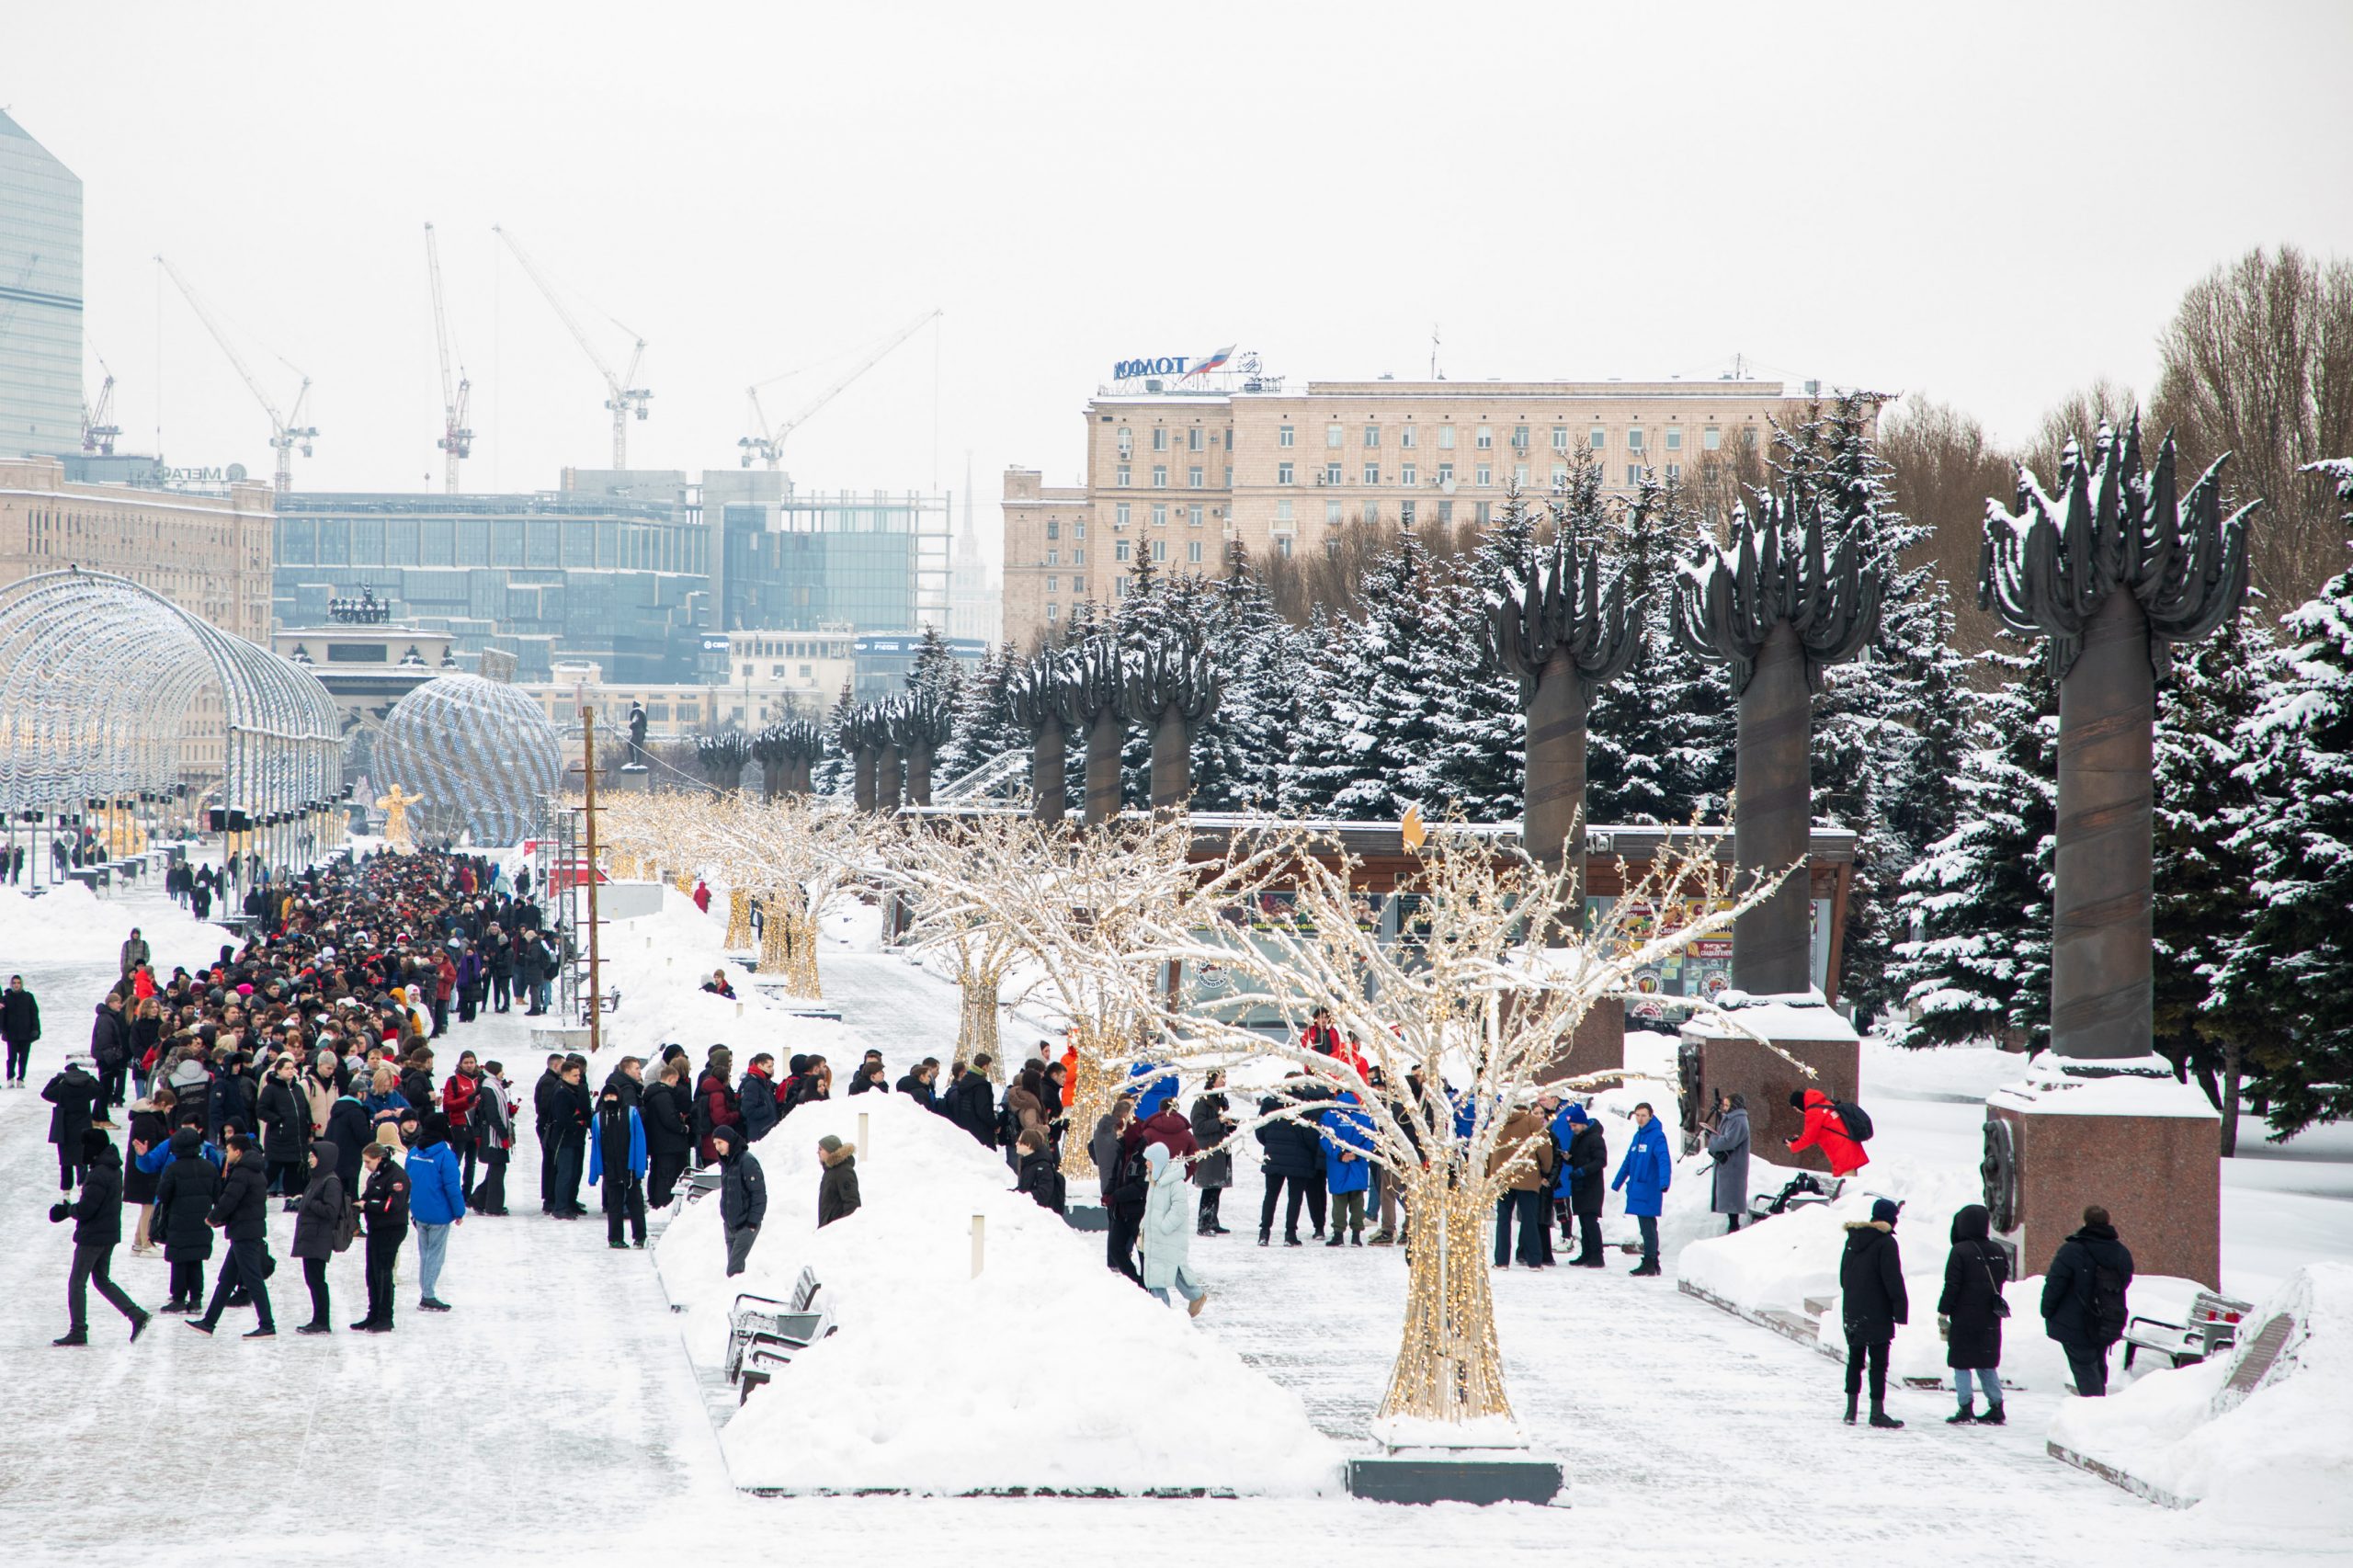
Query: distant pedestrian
x=317, y=1224
x=1103, y=1146
x=1213, y=1170
x=1586, y=1170
x=2084, y=1298
x=184, y=1192
x=383, y=1206
x=1871, y=1301
x=97, y=1214
x=617, y=1160
x=241, y=1213
x=1728, y=1143
x=493, y=1130
x=1167, y=1245
x=75, y=1094
x=1040, y=1174
x=1646, y=1174
x=1523, y=1148
x=971, y=1104
x=437, y=1204
x=1973, y=1309
x=837, y=1196
x=743, y=1196
x=1825, y=1131
x=19, y=1027
x=669, y=1139
x=1291, y=1153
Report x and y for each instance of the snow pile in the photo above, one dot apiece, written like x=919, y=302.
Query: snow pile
x=1046, y=1371
x=72, y=926
x=2140, y=1086
x=2283, y=1454
x=659, y=963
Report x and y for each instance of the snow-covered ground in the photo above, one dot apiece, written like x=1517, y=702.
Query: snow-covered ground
x=555, y=1414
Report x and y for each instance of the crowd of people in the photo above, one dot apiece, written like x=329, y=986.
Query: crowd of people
x=295, y=1066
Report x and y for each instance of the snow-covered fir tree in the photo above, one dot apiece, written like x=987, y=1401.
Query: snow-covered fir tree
x=2294, y=960
x=984, y=726
x=1659, y=738
x=1243, y=751
x=1979, y=900
x=935, y=670
x=2204, y=876
x=1481, y=760
x=1335, y=734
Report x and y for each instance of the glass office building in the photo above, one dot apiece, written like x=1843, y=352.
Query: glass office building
x=41, y=299
x=541, y=576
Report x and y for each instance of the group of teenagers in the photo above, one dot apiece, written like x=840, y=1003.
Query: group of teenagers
x=294, y=1067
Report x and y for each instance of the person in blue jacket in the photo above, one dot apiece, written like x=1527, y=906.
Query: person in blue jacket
x=617, y=1149
x=1644, y=1175
x=1158, y=1087
x=1347, y=1139
x=436, y=1201
x=1564, y=1132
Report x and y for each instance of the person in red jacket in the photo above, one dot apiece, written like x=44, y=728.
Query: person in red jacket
x=1167, y=1126
x=717, y=1093
x=702, y=896
x=458, y=1093
x=1825, y=1131
x=1320, y=1036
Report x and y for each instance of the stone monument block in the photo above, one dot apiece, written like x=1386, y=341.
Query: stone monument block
x=2140, y=1146
x=1717, y=1058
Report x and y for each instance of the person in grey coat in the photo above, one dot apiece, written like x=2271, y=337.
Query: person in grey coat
x=1213, y=1172
x=1729, y=1144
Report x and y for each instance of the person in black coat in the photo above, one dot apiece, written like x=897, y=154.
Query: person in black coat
x=110, y=1046
x=383, y=1208
x=544, y=1094
x=1293, y=1153
x=1041, y=1174
x=1588, y=1172
x=97, y=1230
x=184, y=1198
x=351, y=1128
x=971, y=1105
x=571, y=1111
x=670, y=1136
x=917, y=1083
x=316, y=1220
x=2085, y=1299
x=1972, y=1306
x=1870, y=1281
x=241, y=1213
x=77, y=1094
x=743, y=1194
x=286, y=1129
x=19, y=1027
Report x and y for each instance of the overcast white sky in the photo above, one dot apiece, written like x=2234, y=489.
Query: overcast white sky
x=1992, y=203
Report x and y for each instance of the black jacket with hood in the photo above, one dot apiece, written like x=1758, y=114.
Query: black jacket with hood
x=1870, y=1275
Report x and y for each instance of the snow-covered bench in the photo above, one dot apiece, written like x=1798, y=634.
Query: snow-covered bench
x=2213, y=1326
x=764, y=1334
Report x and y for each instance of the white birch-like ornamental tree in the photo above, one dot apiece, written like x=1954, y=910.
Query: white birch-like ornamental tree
x=924, y=865
x=1462, y=1024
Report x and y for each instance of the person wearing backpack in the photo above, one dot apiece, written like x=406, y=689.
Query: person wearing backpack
x=1973, y=1309
x=318, y=1227
x=1828, y=1129
x=2084, y=1299
x=384, y=1204
x=969, y=1103
x=1041, y=1176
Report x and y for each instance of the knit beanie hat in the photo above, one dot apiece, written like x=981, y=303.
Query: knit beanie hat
x=1886, y=1209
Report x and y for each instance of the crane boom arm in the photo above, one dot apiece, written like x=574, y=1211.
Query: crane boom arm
x=196, y=303
x=539, y=279
x=440, y=318
x=842, y=385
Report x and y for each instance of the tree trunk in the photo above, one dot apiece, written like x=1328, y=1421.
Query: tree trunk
x=1049, y=773
x=2101, y=937
x=2233, y=1074
x=1103, y=738
x=739, y=920
x=1449, y=1365
x=1172, y=764
x=1773, y=819
x=976, y=1019
x=1551, y=819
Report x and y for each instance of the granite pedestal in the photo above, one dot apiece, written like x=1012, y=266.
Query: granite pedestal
x=2140, y=1146
x=1598, y=1045
x=1717, y=1060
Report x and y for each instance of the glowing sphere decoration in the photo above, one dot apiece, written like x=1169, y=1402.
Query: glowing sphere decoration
x=481, y=754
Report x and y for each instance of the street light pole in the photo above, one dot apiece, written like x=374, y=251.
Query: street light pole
x=588, y=796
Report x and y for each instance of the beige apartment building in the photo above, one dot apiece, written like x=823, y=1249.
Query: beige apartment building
x=206, y=554
x=1176, y=473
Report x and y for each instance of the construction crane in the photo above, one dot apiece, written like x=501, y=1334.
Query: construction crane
x=768, y=445
x=97, y=435
x=286, y=431
x=457, y=440
x=621, y=397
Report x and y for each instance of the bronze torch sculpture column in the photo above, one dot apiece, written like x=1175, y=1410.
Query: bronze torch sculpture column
x=1040, y=695
x=1170, y=689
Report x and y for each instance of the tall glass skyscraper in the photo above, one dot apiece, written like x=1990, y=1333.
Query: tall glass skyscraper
x=41, y=299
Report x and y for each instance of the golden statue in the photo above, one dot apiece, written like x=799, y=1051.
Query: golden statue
x=395, y=805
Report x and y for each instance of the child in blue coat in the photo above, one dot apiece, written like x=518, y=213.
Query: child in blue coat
x=1646, y=1174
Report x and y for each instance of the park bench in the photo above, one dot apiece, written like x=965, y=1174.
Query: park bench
x=1802, y=1191
x=763, y=1334
x=2213, y=1326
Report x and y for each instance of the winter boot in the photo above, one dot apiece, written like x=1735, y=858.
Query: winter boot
x=1355, y=1238
x=1852, y=1400
x=139, y=1326
x=313, y=1328
x=1384, y=1238
x=1265, y=1239
x=1964, y=1417
x=1992, y=1416
x=1879, y=1417
x=72, y=1336
x=1338, y=1239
